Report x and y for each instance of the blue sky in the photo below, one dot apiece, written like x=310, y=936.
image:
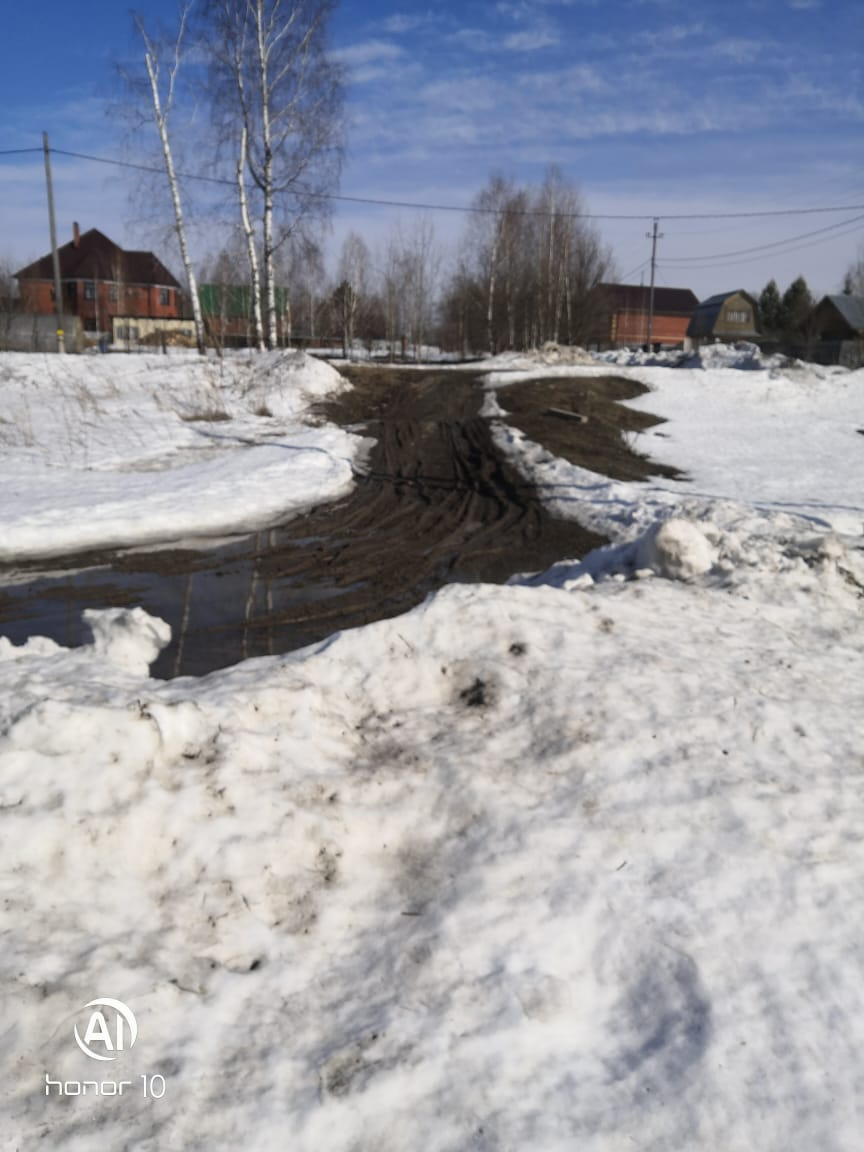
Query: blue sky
x=652, y=107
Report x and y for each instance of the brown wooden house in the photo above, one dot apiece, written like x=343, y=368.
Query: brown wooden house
x=626, y=309
x=99, y=282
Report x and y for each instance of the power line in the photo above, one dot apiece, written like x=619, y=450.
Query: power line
x=792, y=245
x=763, y=247
x=462, y=208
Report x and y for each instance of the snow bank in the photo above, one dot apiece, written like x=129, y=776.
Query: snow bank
x=122, y=450
x=565, y=864
x=525, y=867
x=742, y=355
x=769, y=439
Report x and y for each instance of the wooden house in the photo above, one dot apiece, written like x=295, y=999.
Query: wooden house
x=835, y=330
x=626, y=308
x=729, y=316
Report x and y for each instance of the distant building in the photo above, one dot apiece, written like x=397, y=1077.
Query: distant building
x=625, y=311
x=102, y=284
x=727, y=316
x=229, y=314
x=836, y=331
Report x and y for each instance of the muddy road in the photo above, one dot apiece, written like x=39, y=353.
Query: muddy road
x=434, y=503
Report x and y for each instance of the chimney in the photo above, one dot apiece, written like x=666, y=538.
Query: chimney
x=76, y=235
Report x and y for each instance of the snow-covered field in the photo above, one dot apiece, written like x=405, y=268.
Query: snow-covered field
x=569, y=864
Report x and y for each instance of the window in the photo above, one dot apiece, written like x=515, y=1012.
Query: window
x=737, y=316
x=165, y=296
x=89, y=290
x=113, y=292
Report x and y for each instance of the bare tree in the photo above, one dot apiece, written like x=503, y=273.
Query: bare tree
x=288, y=97
x=420, y=267
x=853, y=281
x=354, y=271
x=162, y=94
x=392, y=277
x=530, y=264
x=228, y=47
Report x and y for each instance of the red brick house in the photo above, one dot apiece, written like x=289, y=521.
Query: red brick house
x=626, y=309
x=100, y=281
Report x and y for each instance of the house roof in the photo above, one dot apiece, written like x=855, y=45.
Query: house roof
x=851, y=308
x=95, y=257
x=637, y=298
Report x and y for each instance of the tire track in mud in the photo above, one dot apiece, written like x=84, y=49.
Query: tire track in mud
x=433, y=503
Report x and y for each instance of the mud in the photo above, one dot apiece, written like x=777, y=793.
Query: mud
x=434, y=503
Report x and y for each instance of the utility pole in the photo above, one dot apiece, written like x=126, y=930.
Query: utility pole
x=654, y=236
x=58, y=299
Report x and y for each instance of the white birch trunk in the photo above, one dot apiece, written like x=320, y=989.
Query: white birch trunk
x=162, y=126
x=269, y=261
x=490, y=306
x=249, y=233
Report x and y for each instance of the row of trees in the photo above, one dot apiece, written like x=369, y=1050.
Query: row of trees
x=783, y=317
x=275, y=105
x=529, y=261
x=528, y=264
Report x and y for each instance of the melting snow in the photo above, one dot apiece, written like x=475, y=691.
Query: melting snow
x=571, y=863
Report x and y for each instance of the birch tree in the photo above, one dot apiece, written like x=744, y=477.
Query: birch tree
x=162, y=62
x=229, y=49
x=351, y=297
x=420, y=262
x=531, y=263
x=288, y=99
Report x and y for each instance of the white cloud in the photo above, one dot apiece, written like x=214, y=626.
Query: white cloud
x=738, y=50
x=529, y=41
x=402, y=22
x=563, y=84
x=474, y=39
x=368, y=52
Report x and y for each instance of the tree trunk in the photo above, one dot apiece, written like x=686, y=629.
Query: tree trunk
x=490, y=305
x=175, y=198
x=249, y=233
x=267, y=140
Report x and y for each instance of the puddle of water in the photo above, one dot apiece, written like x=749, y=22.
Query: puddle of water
x=221, y=610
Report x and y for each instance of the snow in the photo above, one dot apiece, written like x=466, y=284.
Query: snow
x=569, y=863
x=105, y=451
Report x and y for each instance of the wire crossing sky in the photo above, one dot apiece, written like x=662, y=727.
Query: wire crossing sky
x=719, y=120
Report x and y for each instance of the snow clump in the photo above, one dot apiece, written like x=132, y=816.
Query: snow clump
x=128, y=638
x=676, y=549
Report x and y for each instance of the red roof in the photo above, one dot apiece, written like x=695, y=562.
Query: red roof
x=637, y=298
x=95, y=257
